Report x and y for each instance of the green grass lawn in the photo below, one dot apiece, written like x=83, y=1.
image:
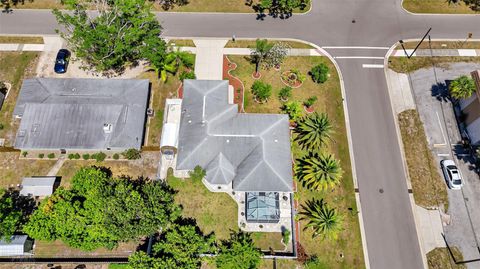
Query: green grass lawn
x=440, y=258
x=405, y=65
x=342, y=197
x=59, y=249
x=234, y=6
x=14, y=67
x=437, y=6
x=463, y=44
x=21, y=39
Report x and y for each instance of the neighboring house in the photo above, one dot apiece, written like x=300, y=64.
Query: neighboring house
x=81, y=114
x=37, y=186
x=19, y=245
x=470, y=110
x=246, y=155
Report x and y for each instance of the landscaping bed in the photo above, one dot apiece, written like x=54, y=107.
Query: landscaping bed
x=342, y=197
x=428, y=186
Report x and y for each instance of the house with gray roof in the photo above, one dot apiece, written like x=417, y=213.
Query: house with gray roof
x=243, y=154
x=18, y=245
x=37, y=186
x=81, y=114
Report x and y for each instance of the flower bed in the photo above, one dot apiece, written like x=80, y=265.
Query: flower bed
x=292, y=78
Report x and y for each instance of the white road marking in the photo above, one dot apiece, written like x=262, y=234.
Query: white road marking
x=359, y=57
x=373, y=66
x=443, y=155
x=441, y=128
x=356, y=47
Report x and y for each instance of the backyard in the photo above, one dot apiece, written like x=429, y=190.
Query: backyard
x=346, y=251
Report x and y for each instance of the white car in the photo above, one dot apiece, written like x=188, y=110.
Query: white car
x=452, y=174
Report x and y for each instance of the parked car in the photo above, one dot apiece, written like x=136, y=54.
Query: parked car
x=452, y=174
x=61, y=62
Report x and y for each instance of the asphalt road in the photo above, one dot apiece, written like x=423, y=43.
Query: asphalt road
x=390, y=232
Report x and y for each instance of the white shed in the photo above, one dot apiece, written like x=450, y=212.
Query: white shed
x=19, y=245
x=171, y=126
x=37, y=186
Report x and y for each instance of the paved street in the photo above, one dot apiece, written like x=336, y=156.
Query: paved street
x=389, y=225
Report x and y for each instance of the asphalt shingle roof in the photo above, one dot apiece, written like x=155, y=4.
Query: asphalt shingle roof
x=70, y=113
x=250, y=150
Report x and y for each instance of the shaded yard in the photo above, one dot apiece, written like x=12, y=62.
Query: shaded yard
x=342, y=197
x=428, y=186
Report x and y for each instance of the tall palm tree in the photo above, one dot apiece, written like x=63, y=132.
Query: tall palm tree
x=323, y=219
x=260, y=52
x=172, y=62
x=318, y=172
x=313, y=131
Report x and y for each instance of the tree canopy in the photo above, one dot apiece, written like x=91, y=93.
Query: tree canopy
x=101, y=211
x=318, y=172
x=282, y=8
x=462, y=87
x=322, y=219
x=10, y=215
x=124, y=31
x=178, y=247
x=238, y=252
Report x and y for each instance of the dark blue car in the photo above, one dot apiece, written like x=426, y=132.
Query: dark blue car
x=61, y=62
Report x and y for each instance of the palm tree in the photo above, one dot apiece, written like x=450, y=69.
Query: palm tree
x=260, y=52
x=318, y=172
x=462, y=87
x=172, y=62
x=313, y=131
x=323, y=219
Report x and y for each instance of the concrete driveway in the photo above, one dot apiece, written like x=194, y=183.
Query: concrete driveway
x=436, y=112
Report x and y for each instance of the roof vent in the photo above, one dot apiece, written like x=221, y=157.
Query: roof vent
x=276, y=140
x=107, y=128
x=74, y=89
x=228, y=141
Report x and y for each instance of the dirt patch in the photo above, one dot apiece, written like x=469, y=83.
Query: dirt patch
x=429, y=189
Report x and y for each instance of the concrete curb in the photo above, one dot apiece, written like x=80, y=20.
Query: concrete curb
x=404, y=162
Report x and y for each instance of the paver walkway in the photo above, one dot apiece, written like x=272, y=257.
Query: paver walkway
x=56, y=167
x=209, y=58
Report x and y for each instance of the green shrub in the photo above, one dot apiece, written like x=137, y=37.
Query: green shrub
x=116, y=156
x=286, y=236
x=285, y=93
x=76, y=156
x=86, y=156
x=319, y=73
x=1, y=126
x=198, y=173
x=51, y=155
x=187, y=75
x=71, y=156
x=99, y=157
x=24, y=153
x=41, y=155
x=301, y=77
x=132, y=154
x=261, y=90
x=293, y=109
x=310, y=101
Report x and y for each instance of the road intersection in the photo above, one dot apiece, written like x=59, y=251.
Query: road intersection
x=357, y=34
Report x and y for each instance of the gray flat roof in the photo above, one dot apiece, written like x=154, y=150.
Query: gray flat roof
x=71, y=113
x=252, y=151
x=37, y=186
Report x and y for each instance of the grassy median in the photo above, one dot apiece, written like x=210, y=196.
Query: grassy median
x=428, y=186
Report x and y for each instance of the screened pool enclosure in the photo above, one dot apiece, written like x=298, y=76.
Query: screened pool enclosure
x=262, y=207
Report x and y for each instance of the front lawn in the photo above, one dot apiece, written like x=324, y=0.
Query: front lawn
x=342, y=197
x=235, y=6
x=21, y=39
x=437, y=6
x=440, y=258
x=14, y=67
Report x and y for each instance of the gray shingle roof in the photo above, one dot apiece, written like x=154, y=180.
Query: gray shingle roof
x=37, y=186
x=250, y=150
x=70, y=113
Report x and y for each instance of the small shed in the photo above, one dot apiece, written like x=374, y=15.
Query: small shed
x=171, y=126
x=37, y=186
x=19, y=245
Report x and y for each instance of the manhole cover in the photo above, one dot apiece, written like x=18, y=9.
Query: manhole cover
x=380, y=190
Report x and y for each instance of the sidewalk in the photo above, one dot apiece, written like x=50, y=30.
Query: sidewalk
x=209, y=58
x=22, y=47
